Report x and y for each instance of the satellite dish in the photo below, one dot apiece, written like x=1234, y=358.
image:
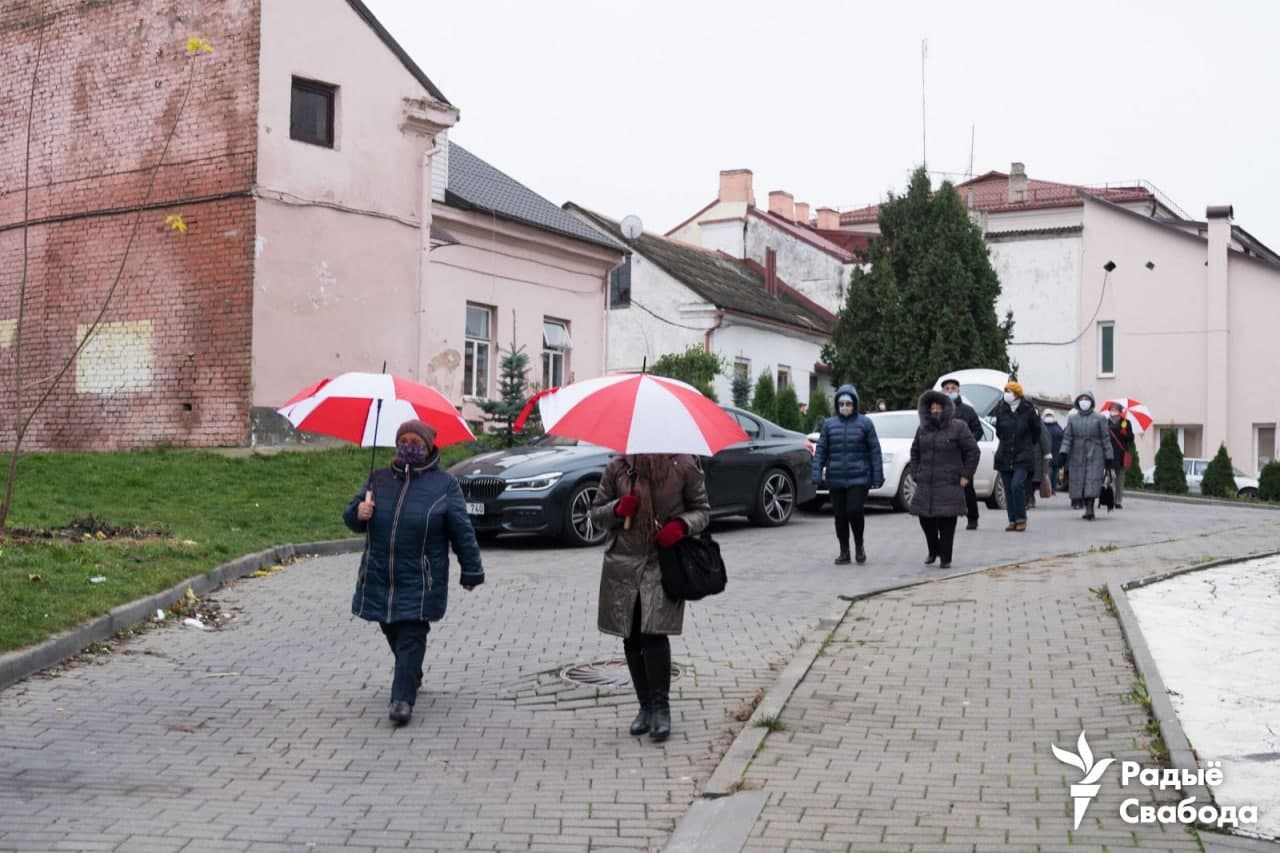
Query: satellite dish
x=631, y=226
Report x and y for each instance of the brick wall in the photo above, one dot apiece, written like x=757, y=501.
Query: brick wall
x=171, y=362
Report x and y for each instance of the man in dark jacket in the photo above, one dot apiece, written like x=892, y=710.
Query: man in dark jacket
x=1054, y=429
x=847, y=458
x=965, y=412
x=1018, y=428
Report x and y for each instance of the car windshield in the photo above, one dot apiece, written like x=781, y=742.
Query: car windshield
x=983, y=398
x=895, y=424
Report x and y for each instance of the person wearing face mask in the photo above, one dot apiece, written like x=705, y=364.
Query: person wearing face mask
x=848, y=460
x=1018, y=429
x=966, y=413
x=1086, y=450
x=1122, y=442
x=410, y=513
x=1052, y=427
x=944, y=457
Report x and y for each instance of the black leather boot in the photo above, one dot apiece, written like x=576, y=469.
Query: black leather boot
x=657, y=664
x=640, y=681
x=1088, y=509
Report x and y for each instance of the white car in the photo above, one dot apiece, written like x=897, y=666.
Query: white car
x=1246, y=486
x=896, y=430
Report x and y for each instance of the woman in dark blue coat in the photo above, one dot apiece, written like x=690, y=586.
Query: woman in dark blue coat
x=411, y=513
x=847, y=459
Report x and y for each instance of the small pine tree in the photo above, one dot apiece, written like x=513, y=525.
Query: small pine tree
x=513, y=390
x=1133, y=475
x=1169, y=476
x=789, y=409
x=1269, y=482
x=819, y=411
x=741, y=390
x=765, y=400
x=1219, y=481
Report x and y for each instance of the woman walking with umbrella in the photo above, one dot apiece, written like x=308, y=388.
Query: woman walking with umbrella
x=411, y=512
x=1086, y=450
x=646, y=501
x=944, y=457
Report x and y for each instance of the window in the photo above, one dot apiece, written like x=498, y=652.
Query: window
x=311, y=112
x=1189, y=440
x=620, y=285
x=1106, y=349
x=1264, y=442
x=749, y=425
x=784, y=376
x=742, y=368
x=555, y=351
x=479, y=343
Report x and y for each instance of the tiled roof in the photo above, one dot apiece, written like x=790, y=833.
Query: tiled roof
x=991, y=194
x=394, y=46
x=729, y=284
x=475, y=185
x=854, y=242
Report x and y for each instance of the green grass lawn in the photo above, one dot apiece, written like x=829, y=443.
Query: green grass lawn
x=212, y=508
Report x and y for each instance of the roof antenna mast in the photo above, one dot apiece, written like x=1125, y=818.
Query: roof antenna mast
x=924, y=116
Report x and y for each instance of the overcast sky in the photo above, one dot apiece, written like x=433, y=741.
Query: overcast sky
x=634, y=107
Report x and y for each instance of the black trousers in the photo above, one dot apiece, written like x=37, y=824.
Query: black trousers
x=649, y=662
x=939, y=535
x=971, y=503
x=408, y=642
x=848, y=503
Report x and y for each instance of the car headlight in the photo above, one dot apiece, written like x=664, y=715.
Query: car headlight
x=538, y=483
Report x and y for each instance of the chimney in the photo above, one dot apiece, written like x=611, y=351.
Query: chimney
x=802, y=212
x=828, y=219
x=783, y=204
x=1216, y=321
x=736, y=186
x=770, y=271
x=1017, y=183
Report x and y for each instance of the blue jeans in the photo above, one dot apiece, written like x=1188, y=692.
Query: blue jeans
x=1015, y=493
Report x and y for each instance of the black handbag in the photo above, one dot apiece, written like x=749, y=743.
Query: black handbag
x=1107, y=497
x=692, y=568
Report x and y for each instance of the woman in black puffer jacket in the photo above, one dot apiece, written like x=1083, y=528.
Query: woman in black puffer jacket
x=944, y=457
x=1018, y=428
x=411, y=512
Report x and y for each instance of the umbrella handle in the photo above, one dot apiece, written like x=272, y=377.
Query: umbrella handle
x=626, y=525
x=368, y=495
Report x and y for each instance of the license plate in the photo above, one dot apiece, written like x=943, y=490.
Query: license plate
x=475, y=509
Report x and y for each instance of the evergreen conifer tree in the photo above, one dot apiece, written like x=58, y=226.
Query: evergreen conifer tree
x=741, y=390
x=819, y=411
x=1169, y=476
x=788, y=407
x=513, y=391
x=1269, y=482
x=1133, y=474
x=1219, y=481
x=764, y=402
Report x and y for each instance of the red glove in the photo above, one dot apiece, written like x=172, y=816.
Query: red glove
x=671, y=533
x=627, y=506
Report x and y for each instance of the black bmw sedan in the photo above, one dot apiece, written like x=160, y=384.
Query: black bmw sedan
x=547, y=486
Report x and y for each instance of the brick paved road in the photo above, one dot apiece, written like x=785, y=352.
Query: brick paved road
x=271, y=734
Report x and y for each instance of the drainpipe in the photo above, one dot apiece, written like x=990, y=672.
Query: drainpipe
x=706, y=338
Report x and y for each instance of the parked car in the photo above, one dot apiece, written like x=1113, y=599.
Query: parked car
x=1246, y=486
x=979, y=387
x=896, y=430
x=547, y=486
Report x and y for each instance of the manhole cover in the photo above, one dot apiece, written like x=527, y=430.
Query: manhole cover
x=604, y=673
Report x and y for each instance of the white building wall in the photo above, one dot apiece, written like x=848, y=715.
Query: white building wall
x=724, y=237
x=690, y=232
x=635, y=334
x=1040, y=281
x=766, y=348
x=815, y=273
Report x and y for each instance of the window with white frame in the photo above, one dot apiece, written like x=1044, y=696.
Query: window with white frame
x=478, y=351
x=742, y=368
x=1264, y=442
x=1107, y=349
x=555, y=351
x=784, y=376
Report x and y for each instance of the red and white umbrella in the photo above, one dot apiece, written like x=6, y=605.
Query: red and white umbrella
x=347, y=407
x=1139, y=415
x=639, y=413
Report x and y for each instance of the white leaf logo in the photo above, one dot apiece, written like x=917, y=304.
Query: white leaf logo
x=1083, y=792
x=1069, y=758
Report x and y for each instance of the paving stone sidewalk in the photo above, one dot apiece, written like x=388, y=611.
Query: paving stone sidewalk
x=926, y=723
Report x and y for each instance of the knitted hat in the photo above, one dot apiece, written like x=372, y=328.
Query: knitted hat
x=1014, y=387
x=422, y=430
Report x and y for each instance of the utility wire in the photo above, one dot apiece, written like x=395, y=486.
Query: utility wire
x=1105, y=278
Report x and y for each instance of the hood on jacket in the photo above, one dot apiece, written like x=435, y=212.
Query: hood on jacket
x=1092, y=399
x=927, y=399
x=851, y=392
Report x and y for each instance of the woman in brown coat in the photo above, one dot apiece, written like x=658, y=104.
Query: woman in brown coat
x=944, y=457
x=666, y=499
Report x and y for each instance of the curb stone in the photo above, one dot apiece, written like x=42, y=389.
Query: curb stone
x=17, y=665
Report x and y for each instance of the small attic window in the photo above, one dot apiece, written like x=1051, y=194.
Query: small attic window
x=311, y=112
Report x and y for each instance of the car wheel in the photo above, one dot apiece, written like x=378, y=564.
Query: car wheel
x=997, y=499
x=775, y=499
x=906, y=488
x=579, y=530
x=1248, y=493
